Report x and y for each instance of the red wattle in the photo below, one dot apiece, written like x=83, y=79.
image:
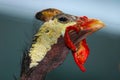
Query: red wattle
x=81, y=66
x=68, y=41
x=81, y=53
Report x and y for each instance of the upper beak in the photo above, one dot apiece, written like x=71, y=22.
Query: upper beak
x=89, y=24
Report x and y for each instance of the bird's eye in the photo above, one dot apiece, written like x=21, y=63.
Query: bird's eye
x=63, y=19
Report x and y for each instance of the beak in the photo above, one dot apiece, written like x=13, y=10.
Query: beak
x=92, y=25
x=86, y=27
x=76, y=33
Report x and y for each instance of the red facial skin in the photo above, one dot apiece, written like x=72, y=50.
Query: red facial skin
x=81, y=53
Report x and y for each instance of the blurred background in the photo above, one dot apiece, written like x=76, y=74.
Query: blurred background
x=17, y=25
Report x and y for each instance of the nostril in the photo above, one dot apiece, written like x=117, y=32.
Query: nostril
x=84, y=18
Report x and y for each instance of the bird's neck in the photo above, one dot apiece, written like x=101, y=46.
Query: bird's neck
x=52, y=60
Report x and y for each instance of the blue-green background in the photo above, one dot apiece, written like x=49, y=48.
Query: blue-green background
x=17, y=25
